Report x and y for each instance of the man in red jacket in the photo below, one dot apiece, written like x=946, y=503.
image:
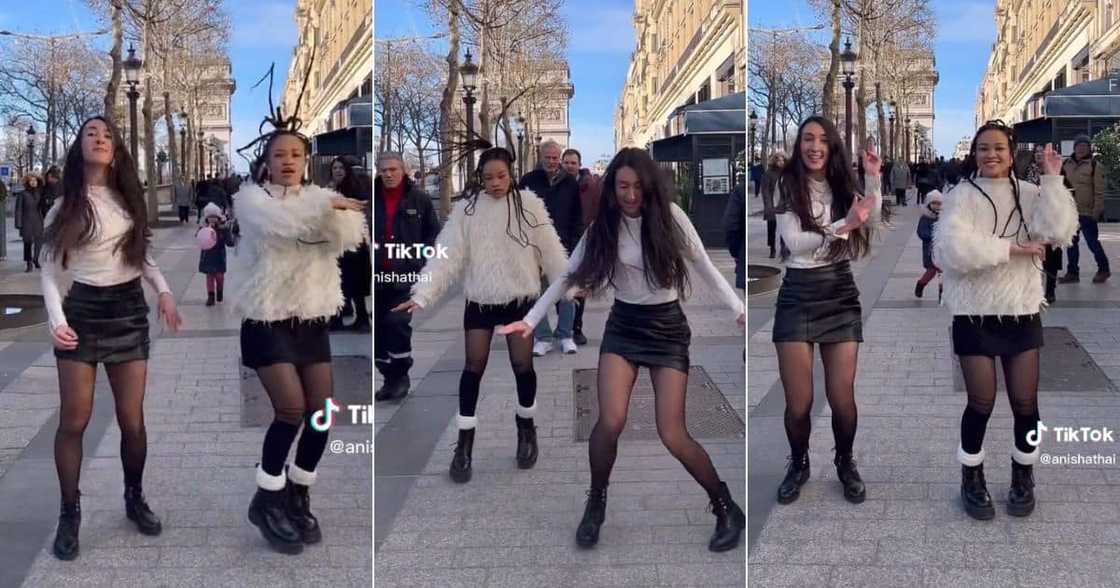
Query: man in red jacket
x=589, y=189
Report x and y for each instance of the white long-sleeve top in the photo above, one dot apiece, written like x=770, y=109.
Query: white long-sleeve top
x=630, y=284
x=97, y=263
x=808, y=249
x=294, y=237
x=981, y=275
x=495, y=269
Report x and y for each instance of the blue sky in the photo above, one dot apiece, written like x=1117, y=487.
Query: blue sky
x=263, y=32
x=965, y=33
x=600, y=39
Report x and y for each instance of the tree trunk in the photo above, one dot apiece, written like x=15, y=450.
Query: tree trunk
x=115, y=55
x=450, y=89
x=829, y=102
x=881, y=119
x=150, y=150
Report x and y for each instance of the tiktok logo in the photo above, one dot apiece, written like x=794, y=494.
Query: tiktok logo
x=1034, y=437
x=322, y=420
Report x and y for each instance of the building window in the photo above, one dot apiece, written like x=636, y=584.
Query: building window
x=705, y=92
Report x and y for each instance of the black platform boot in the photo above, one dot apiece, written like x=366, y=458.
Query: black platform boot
x=66, y=538
x=209, y=299
x=299, y=505
x=526, y=443
x=220, y=294
x=1020, y=499
x=461, y=461
x=854, y=490
x=594, y=513
x=797, y=473
x=136, y=508
x=974, y=493
x=730, y=521
x=269, y=514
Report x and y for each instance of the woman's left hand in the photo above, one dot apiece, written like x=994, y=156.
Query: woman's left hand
x=871, y=162
x=1051, y=161
x=168, y=312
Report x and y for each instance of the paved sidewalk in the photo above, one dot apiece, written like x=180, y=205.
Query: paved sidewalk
x=912, y=530
x=200, y=467
x=509, y=527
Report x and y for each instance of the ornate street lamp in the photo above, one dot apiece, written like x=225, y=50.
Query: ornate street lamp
x=469, y=71
x=132, y=67
x=848, y=67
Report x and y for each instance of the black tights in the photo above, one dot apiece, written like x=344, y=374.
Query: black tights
x=616, y=382
x=76, y=383
x=478, y=353
x=1020, y=372
x=795, y=364
x=296, y=393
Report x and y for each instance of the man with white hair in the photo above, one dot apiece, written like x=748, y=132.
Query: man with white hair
x=560, y=192
x=404, y=217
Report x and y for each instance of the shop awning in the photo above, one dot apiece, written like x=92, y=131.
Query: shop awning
x=354, y=141
x=727, y=114
x=1098, y=98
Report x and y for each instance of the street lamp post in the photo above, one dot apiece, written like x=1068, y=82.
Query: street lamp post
x=753, y=127
x=183, y=144
x=520, y=145
x=891, y=136
x=848, y=65
x=31, y=148
x=469, y=70
x=132, y=67
x=201, y=157
x=906, y=136
x=161, y=158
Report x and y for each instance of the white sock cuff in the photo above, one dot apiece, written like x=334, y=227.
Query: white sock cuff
x=267, y=481
x=466, y=422
x=970, y=459
x=1024, y=458
x=527, y=412
x=301, y=476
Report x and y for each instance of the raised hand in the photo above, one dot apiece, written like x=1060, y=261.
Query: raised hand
x=1051, y=161
x=858, y=213
x=343, y=203
x=871, y=162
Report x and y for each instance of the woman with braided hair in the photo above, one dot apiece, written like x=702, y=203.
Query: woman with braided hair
x=500, y=239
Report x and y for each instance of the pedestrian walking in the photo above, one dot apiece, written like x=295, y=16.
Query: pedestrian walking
x=826, y=223
x=404, y=218
x=589, y=191
x=212, y=259
x=560, y=193
x=97, y=237
x=989, y=242
x=637, y=247
x=499, y=239
x=930, y=214
x=29, y=219
x=900, y=182
x=183, y=199
x=776, y=162
x=52, y=189
x=1084, y=175
x=294, y=232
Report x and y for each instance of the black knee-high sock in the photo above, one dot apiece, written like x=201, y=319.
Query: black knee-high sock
x=468, y=392
x=973, y=426
x=1025, y=423
x=277, y=443
x=526, y=388
x=312, y=442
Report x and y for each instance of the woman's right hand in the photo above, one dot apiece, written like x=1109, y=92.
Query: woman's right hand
x=520, y=327
x=408, y=306
x=64, y=338
x=857, y=214
x=1029, y=248
x=343, y=203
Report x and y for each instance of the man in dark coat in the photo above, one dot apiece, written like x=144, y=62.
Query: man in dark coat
x=589, y=192
x=560, y=192
x=403, y=215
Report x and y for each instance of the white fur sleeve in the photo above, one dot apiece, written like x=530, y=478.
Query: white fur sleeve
x=439, y=272
x=1054, y=218
x=959, y=244
x=284, y=218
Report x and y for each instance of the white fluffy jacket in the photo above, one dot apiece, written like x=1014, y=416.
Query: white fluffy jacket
x=294, y=237
x=981, y=276
x=495, y=268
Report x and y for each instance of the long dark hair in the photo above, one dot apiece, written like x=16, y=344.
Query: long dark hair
x=353, y=185
x=796, y=198
x=75, y=223
x=663, y=241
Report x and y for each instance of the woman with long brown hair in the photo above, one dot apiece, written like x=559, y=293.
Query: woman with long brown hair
x=97, y=235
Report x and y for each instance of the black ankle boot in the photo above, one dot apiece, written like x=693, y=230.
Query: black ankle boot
x=974, y=493
x=268, y=513
x=526, y=443
x=730, y=521
x=594, y=513
x=209, y=299
x=854, y=490
x=461, y=461
x=299, y=513
x=221, y=292
x=136, y=508
x=918, y=289
x=66, y=538
x=394, y=388
x=28, y=270
x=797, y=473
x=1020, y=499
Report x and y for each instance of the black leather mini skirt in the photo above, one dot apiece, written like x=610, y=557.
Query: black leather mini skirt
x=293, y=341
x=651, y=335
x=111, y=323
x=818, y=305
